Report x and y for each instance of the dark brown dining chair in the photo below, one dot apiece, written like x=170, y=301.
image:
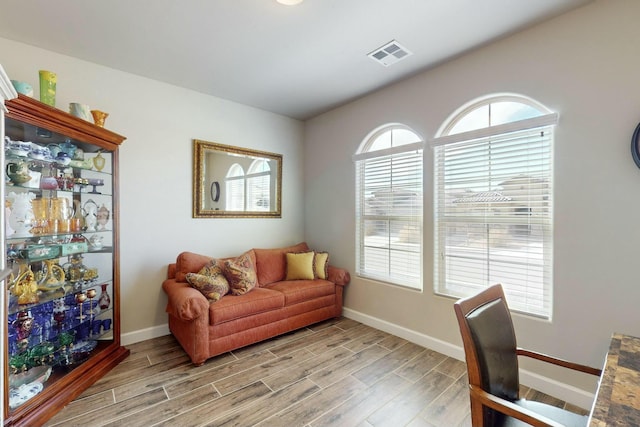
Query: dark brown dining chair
x=492, y=365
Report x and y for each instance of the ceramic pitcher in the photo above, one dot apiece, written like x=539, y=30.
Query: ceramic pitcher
x=21, y=217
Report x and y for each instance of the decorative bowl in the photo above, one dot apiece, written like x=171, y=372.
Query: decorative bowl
x=82, y=349
x=48, y=183
x=18, y=396
x=19, y=178
x=37, y=373
x=63, y=158
x=17, y=151
x=37, y=154
x=82, y=164
x=23, y=87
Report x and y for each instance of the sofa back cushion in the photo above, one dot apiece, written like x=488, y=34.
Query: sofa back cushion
x=189, y=262
x=271, y=264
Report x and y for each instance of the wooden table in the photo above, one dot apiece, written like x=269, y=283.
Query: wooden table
x=617, y=401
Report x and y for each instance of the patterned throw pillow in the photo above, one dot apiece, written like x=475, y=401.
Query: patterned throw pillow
x=321, y=265
x=213, y=268
x=300, y=266
x=241, y=274
x=210, y=281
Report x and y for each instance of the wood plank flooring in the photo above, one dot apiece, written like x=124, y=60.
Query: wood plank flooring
x=335, y=373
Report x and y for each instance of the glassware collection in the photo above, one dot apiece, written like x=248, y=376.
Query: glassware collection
x=59, y=246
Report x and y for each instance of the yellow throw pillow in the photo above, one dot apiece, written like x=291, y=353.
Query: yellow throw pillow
x=321, y=265
x=300, y=266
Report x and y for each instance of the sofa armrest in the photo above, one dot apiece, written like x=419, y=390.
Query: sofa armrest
x=339, y=276
x=185, y=302
x=172, y=269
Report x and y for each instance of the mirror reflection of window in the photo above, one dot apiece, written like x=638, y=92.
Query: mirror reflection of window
x=234, y=184
x=259, y=186
x=249, y=182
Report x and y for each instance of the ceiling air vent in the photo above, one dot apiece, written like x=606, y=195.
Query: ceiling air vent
x=390, y=53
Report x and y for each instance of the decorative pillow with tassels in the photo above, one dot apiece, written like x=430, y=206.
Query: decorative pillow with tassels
x=321, y=265
x=210, y=281
x=241, y=274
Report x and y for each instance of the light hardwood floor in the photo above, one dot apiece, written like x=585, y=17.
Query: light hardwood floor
x=336, y=373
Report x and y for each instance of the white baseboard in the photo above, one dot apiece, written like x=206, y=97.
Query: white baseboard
x=144, y=334
x=568, y=393
x=410, y=335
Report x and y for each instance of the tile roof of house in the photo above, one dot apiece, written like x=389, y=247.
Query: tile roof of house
x=483, y=197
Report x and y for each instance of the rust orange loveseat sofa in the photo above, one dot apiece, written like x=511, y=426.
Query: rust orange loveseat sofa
x=273, y=307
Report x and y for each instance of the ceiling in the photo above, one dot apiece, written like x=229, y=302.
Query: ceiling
x=298, y=61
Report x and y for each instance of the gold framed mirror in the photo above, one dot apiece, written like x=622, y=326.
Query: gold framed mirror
x=235, y=182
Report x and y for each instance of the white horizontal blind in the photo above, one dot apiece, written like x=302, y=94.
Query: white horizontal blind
x=258, y=191
x=389, y=217
x=235, y=193
x=494, y=216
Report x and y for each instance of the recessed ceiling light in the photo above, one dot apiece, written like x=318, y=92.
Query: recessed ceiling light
x=289, y=2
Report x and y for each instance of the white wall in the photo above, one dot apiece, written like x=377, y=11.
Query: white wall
x=160, y=121
x=584, y=65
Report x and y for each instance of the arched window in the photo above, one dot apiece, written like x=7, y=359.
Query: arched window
x=234, y=182
x=389, y=206
x=493, y=199
x=259, y=186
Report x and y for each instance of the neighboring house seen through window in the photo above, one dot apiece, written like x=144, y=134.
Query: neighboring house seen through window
x=493, y=202
x=389, y=195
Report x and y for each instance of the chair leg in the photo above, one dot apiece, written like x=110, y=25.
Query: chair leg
x=477, y=413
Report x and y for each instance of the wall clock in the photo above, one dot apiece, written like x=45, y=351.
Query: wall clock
x=215, y=191
x=635, y=146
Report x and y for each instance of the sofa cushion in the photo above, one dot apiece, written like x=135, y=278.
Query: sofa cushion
x=241, y=274
x=300, y=265
x=296, y=291
x=210, y=281
x=271, y=264
x=233, y=307
x=321, y=265
x=189, y=262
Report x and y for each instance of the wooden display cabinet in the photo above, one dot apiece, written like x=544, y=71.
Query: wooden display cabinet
x=60, y=236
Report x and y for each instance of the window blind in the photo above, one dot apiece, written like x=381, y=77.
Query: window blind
x=494, y=216
x=258, y=191
x=235, y=193
x=389, y=216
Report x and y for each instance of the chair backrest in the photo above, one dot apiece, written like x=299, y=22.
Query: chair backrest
x=489, y=343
